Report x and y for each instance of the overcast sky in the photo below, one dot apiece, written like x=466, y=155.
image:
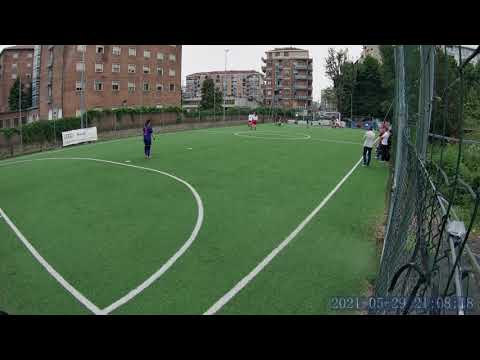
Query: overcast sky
x=197, y=58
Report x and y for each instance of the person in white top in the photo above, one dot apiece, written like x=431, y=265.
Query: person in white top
x=250, y=116
x=254, y=120
x=367, y=146
x=384, y=145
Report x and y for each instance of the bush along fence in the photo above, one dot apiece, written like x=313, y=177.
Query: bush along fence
x=46, y=134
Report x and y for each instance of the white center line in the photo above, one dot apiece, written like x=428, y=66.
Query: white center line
x=244, y=282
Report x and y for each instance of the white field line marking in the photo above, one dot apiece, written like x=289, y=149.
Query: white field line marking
x=337, y=141
x=285, y=136
x=149, y=281
x=244, y=282
x=239, y=133
x=76, y=294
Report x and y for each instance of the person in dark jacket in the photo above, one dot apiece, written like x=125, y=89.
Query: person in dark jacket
x=147, y=138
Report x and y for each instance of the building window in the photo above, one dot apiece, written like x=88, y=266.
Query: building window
x=115, y=68
x=15, y=55
x=14, y=76
x=78, y=113
x=131, y=87
x=98, y=85
x=116, y=50
x=146, y=86
x=115, y=85
x=78, y=86
x=171, y=72
x=146, y=69
x=172, y=87
x=146, y=54
x=49, y=90
x=14, y=66
x=160, y=71
x=172, y=57
x=132, y=51
x=81, y=48
x=132, y=68
x=30, y=55
x=159, y=87
x=29, y=65
x=80, y=66
x=98, y=68
x=100, y=49
x=160, y=56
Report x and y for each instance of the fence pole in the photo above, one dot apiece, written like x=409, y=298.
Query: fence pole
x=400, y=121
x=427, y=61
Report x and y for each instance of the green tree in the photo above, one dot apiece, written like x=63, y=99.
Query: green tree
x=334, y=70
x=211, y=96
x=349, y=78
x=13, y=99
x=446, y=105
x=387, y=71
x=369, y=91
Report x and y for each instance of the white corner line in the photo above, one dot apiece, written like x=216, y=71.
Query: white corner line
x=76, y=294
x=244, y=282
x=145, y=284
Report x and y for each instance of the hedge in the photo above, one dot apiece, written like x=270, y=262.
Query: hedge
x=43, y=131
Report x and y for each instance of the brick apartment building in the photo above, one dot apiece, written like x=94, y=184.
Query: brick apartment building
x=288, y=78
x=111, y=76
x=241, y=88
x=15, y=62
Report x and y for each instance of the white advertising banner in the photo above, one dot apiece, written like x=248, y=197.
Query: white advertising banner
x=79, y=136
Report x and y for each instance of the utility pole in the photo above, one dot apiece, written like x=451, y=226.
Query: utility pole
x=82, y=97
x=225, y=84
x=20, y=105
x=214, y=105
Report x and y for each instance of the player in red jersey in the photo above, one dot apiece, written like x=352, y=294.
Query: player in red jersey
x=254, y=120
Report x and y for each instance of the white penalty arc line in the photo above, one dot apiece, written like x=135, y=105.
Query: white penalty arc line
x=149, y=281
x=244, y=282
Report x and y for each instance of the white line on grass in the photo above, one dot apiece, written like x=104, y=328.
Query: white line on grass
x=337, y=141
x=76, y=294
x=130, y=295
x=285, y=136
x=244, y=282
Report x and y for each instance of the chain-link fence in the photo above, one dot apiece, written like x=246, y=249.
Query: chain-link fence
x=429, y=264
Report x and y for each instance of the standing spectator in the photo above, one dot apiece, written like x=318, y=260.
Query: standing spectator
x=384, y=145
x=368, y=145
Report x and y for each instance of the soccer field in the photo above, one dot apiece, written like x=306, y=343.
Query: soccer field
x=99, y=229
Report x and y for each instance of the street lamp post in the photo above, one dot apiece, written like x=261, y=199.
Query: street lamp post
x=225, y=84
x=20, y=105
x=82, y=94
x=354, y=78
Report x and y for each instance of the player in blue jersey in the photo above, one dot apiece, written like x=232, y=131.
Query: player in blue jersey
x=147, y=138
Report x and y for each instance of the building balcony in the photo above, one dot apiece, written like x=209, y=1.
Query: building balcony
x=302, y=67
x=303, y=97
x=303, y=77
x=302, y=86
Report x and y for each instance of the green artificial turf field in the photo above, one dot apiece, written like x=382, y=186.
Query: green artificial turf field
x=106, y=228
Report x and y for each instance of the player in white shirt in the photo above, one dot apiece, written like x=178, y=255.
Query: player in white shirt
x=250, y=116
x=368, y=145
x=254, y=120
